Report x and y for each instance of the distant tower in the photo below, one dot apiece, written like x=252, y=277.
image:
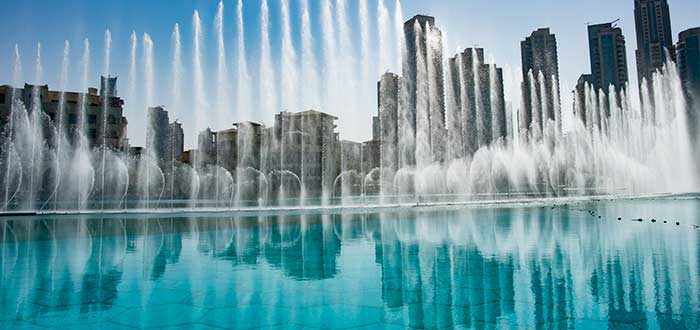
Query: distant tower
x=688, y=54
x=608, y=56
x=539, y=58
x=654, y=39
x=177, y=140
x=108, y=86
x=423, y=81
x=158, y=134
x=478, y=100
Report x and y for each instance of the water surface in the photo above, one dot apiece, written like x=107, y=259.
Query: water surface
x=564, y=267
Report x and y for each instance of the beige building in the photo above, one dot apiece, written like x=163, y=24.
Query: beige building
x=100, y=112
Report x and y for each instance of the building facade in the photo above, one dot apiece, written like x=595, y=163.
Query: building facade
x=540, y=68
x=102, y=121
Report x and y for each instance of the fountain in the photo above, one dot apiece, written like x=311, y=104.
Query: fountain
x=453, y=138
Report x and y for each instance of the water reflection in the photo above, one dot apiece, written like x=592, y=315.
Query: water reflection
x=564, y=267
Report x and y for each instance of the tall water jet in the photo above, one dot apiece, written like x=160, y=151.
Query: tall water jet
x=267, y=90
x=144, y=166
x=199, y=97
x=383, y=36
x=309, y=74
x=82, y=167
x=288, y=66
x=148, y=71
x=9, y=149
x=60, y=140
x=366, y=62
x=176, y=71
x=222, y=83
x=243, y=78
x=398, y=34
x=131, y=88
x=346, y=97
x=329, y=55
x=176, y=93
x=243, y=106
x=37, y=136
x=105, y=108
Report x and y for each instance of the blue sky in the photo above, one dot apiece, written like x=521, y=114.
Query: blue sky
x=496, y=25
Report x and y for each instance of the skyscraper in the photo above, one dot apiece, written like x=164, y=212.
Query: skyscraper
x=424, y=112
x=654, y=39
x=540, y=80
x=608, y=56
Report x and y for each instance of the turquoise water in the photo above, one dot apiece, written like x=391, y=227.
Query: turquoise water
x=563, y=267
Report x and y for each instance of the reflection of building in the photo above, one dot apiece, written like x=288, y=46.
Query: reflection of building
x=424, y=113
x=99, y=110
x=654, y=38
x=540, y=79
x=480, y=114
x=608, y=56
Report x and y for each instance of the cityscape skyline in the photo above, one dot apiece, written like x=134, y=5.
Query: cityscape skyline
x=453, y=36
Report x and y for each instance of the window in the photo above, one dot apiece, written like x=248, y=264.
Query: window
x=92, y=134
x=72, y=119
x=2, y=98
x=92, y=119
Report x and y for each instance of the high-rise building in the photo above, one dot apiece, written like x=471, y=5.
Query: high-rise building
x=654, y=38
x=424, y=113
x=540, y=65
x=688, y=54
x=388, y=107
x=608, y=56
x=479, y=116
x=158, y=135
